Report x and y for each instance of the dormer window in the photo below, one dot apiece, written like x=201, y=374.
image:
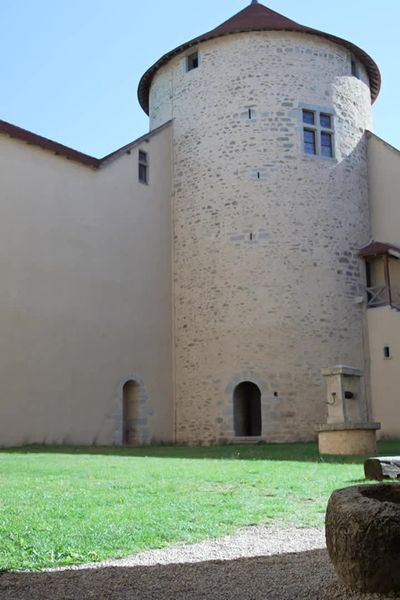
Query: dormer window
x=192, y=61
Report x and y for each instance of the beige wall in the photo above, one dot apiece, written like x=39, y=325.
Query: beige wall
x=384, y=330
x=276, y=307
x=384, y=185
x=85, y=299
x=384, y=323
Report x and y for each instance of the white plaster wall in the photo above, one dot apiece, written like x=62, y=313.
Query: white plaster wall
x=85, y=299
x=276, y=309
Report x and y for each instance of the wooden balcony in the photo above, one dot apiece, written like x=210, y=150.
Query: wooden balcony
x=377, y=296
x=383, y=296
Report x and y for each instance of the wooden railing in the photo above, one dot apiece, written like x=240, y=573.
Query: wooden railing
x=380, y=296
x=377, y=296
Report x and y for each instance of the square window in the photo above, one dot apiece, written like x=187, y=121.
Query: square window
x=192, y=61
x=325, y=120
x=308, y=117
x=309, y=142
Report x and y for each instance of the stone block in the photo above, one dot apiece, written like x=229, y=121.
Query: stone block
x=363, y=537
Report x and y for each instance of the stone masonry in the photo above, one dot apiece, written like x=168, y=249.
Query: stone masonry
x=266, y=238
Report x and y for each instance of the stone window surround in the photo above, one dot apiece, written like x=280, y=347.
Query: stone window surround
x=188, y=55
x=355, y=67
x=318, y=109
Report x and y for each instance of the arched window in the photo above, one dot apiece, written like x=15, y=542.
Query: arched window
x=247, y=410
x=130, y=412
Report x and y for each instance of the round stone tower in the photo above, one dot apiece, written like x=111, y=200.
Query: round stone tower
x=269, y=209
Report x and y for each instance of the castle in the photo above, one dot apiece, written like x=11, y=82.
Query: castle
x=191, y=286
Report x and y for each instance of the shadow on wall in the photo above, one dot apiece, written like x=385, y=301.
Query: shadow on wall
x=302, y=575
x=300, y=452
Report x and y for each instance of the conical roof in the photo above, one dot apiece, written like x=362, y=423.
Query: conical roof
x=257, y=17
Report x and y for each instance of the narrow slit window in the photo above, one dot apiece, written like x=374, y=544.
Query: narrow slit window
x=386, y=352
x=354, y=69
x=143, y=167
x=192, y=61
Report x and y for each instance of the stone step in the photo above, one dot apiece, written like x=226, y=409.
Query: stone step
x=248, y=440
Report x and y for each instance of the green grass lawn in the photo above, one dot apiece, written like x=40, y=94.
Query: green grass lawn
x=62, y=506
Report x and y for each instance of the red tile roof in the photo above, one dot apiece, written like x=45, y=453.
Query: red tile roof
x=37, y=140
x=258, y=17
x=378, y=249
x=61, y=150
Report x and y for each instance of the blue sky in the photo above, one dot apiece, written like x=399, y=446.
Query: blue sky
x=70, y=68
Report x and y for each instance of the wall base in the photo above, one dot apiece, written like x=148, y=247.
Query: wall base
x=349, y=439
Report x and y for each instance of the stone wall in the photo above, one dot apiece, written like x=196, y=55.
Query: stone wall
x=266, y=239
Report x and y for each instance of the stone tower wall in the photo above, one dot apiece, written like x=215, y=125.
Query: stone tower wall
x=266, y=239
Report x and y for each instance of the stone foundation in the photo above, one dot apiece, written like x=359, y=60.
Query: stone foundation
x=352, y=439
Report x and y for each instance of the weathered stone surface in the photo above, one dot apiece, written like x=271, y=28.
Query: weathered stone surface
x=380, y=468
x=363, y=536
x=347, y=438
x=265, y=268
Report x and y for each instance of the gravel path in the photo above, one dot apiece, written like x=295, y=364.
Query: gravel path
x=258, y=563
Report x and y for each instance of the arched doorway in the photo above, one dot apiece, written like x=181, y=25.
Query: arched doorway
x=247, y=410
x=130, y=412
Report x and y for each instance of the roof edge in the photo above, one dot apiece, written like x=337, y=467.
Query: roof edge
x=370, y=65
x=375, y=248
x=34, y=139
x=125, y=149
x=371, y=134
x=39, y=141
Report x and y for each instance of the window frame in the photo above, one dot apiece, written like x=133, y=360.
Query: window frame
x=355, y=68
x=190, y=57
x=143, y=166
x=320, y=131
x=312, y=144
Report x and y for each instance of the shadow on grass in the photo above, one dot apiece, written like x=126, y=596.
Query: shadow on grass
x=298, y=452
x=301, y=575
